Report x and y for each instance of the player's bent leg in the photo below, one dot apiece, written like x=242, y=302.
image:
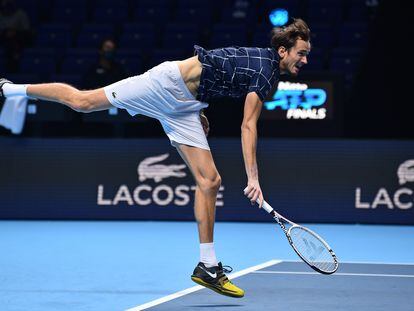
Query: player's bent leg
x=201, y=164
x=208, y=180
x=81, y=101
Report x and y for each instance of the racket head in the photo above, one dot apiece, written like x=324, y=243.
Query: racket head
x=312, y=249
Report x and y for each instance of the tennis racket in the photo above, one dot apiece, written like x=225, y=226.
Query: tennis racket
x=310, y=247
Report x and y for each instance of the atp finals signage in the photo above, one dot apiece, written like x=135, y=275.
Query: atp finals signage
x=310, y=99
x=299, y=101
x=157, y=185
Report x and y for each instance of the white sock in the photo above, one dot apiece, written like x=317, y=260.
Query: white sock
x=208, y=254
x=14, y=89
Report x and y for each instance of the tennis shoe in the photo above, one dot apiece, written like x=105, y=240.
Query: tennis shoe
x=2, y=82
x=215, y=279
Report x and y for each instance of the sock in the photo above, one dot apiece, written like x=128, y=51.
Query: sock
x=14, y=89
x=208, y=254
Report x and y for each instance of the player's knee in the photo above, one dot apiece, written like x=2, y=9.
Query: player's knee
x=209, y=184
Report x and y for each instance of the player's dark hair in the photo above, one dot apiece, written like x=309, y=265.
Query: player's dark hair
x=286, y=36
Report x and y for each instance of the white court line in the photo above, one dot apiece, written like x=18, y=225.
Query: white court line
x=198, y=287
x=338, y=274
x=366, y=262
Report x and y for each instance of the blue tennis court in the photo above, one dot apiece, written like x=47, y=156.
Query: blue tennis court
x=290, y=285
x=113, y=265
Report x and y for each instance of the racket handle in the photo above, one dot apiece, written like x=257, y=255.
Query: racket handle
x=266, y=206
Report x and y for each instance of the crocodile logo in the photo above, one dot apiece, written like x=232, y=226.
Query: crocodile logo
x=150, y=168
x=406, y=172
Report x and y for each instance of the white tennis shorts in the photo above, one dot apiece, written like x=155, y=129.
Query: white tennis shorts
x=161, y=93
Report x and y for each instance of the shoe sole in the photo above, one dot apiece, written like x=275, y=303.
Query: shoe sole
x=216, y=289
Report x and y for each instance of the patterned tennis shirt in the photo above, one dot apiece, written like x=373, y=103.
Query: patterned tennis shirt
x=236, y=71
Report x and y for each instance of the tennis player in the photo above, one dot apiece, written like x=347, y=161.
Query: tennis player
x=175, y=93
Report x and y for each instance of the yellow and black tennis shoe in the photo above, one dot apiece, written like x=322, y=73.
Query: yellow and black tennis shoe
x=215, y=279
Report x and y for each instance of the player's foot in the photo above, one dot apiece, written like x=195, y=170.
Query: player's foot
x=215, y=279
x=2, y=82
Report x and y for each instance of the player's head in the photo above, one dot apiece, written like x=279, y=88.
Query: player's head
x=292, y=43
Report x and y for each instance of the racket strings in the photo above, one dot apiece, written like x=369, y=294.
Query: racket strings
x=312, y=249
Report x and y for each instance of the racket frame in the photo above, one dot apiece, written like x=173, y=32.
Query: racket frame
x=283, y=220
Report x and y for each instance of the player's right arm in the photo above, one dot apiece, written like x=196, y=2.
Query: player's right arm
x=252, y=108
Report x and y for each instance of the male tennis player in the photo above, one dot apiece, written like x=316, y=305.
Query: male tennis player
x=175, y=93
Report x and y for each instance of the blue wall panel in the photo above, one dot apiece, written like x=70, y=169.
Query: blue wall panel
x=344, y=181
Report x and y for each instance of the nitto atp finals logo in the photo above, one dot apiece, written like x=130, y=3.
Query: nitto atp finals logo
x=401, y=198
x=152, y=172
x=299, y=101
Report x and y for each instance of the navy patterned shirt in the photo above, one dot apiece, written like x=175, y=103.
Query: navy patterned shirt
x=237, y=71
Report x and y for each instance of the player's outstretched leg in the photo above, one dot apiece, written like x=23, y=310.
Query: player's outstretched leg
x=82, y=101
x=208, y=272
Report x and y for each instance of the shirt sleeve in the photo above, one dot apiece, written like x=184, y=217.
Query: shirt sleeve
x=260, y=84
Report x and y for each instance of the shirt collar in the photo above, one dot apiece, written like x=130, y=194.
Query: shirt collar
x=274, y=53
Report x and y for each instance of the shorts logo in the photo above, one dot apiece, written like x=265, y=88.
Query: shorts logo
x=113, y=94
x=406, y=172
x=148, y=169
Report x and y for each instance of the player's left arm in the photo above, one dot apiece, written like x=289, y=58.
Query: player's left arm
x=252, y=108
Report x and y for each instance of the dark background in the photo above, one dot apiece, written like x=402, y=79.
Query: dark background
x=374, y=103
x=380, y=104
x=311, y=170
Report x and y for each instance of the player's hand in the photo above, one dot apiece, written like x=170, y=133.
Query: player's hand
x=254, y=192
x=204, y=123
